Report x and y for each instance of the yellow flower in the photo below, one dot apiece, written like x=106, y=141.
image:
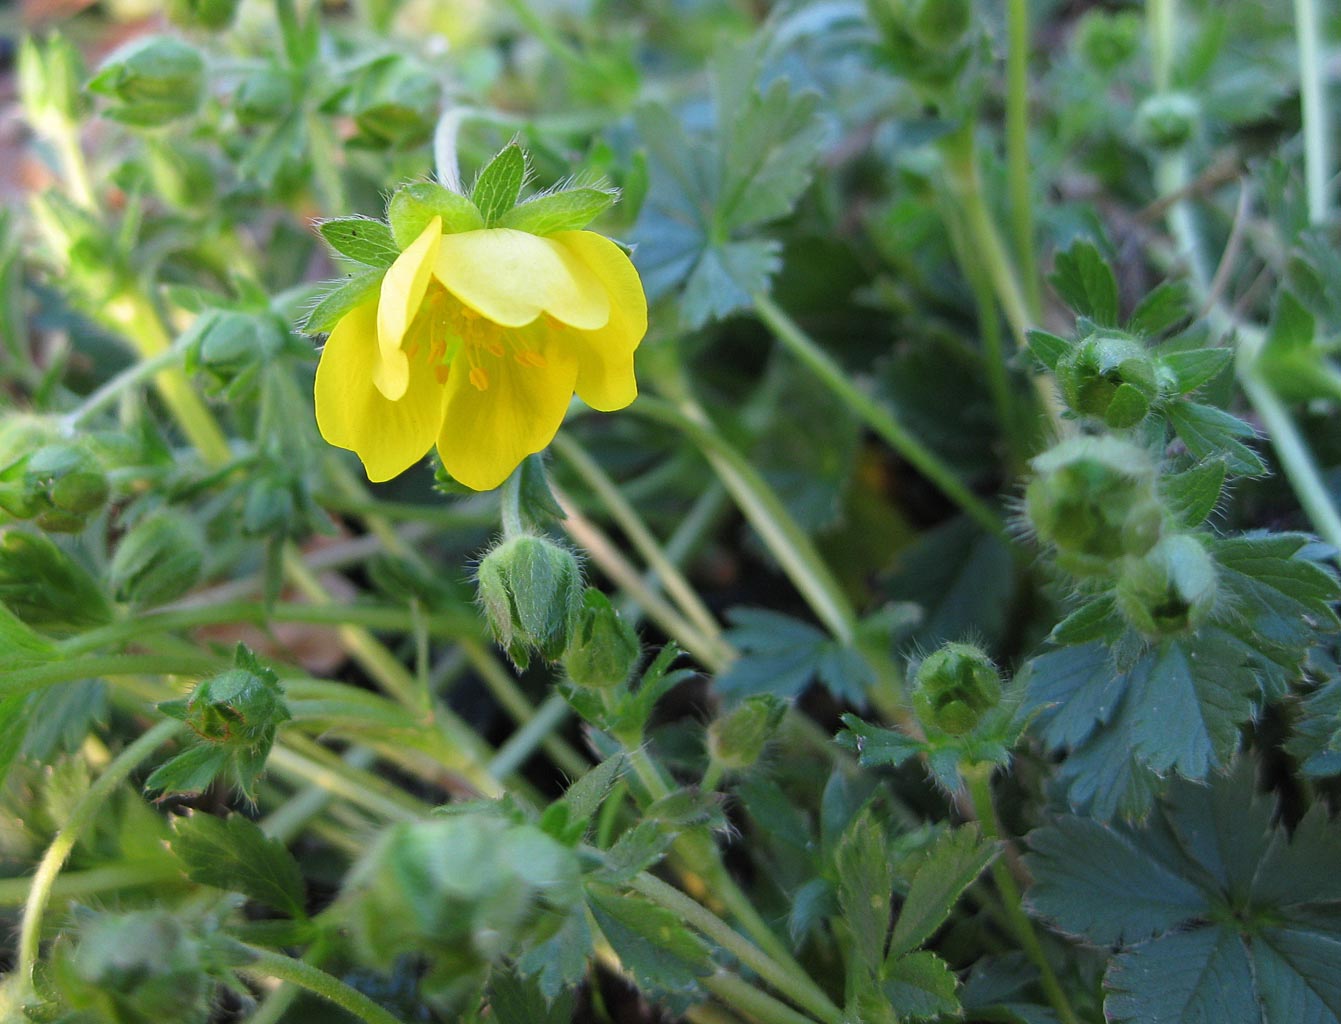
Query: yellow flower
x=476, y=343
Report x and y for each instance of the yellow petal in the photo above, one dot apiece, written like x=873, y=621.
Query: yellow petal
x=486, y=432
x=605, y=378
x=403, y=291
x=351, y=413
x=511, y=277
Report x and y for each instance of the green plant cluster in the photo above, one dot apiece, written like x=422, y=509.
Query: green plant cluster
x=947, y=632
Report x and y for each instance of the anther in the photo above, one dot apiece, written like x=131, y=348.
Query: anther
x=479, y=378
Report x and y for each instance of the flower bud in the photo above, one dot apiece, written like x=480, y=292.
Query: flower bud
x=1109, y=376
x=1094, y=498
x=46, y=588
x=954, y=688
x=1107, y=40
x=1171, y=589
x=50, y=74
x=736, y=740
x=63, y=485
x=141, y=967
x=925, y=39
x=604, y=648
x=158, y=560
x=182, y=175
x=264, y=95
x=393, y=101
x=207, y=14
x=1167, y=121
x=531, y=590
x=233, y=347
x=154, y=80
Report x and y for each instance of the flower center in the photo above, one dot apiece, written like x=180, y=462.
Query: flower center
x=450, y=328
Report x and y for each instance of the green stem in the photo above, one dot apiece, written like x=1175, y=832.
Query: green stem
x=127, y=378
x=26, y=680
x=318, y=982
x=81, y=817
x=740, y=994
x=361, y=788
x=898, y=437
x=787, y=542
x=534, y=732
x=786, y=978
x=623, y=512
x=1314, y=110
x=979, y=780
x=95, y=881
x=509, y=498
x=1161, y=24
x=1017, y=150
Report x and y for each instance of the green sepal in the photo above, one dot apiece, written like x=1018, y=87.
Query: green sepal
x=414, y=205
x=499, y=184
x=344, y=296
x=1047, y=348
x=1193, y=494
x=361, y=239
x=570, y=210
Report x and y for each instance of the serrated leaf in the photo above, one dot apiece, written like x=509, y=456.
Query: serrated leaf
x=726, y=277
x=782, y=655
x=1194, y=367
x=361, y=239
x=514, y=999
x=877, y=747
x=1293, y=363
x=192, y=771
x=499, y=184
x=1161, y=309
x=234, y=854
x=343, y=297
x=1193, y=494
x=570, y=210
x=560, y=962
x=412, y=207
x=946, y=869
x=865, y=887
x=652, y=943
x=585, y=796
x=1213, y=433
x=636, y=850
x=920, y=986
x=1047, y=348
x=1086, y=283
x=1203, y=975
x=1097, y=619
x=1076, y=689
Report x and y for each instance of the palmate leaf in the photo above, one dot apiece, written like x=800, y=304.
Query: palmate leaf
x=782, y=655
x=1223, y=916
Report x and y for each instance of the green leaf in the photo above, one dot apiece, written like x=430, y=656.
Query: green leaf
x=661, y=953
x=585, y=796
x=865, y=887
x=782, y=655
x=1213, y=433
x=1086, y=283
x=560, y=962
x=1097, y=619
x=192, y=771
x=1202, y=975
x=1047, y=348
x=920, y=986
x=946, y=869
x=569, y=210
x=13, y=729
x=499, y=184
x=361, y=239
x=1192, y=368
x=413, y=206
x=877, y=747
x=343, y=297
x=1193, y=494
x=518, y=1000
x=234, y=854
x=726, y=277
x=1292, y=361
x=1161, y=309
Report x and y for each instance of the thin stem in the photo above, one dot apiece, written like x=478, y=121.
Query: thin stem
x=740, y=994
x=979, y=780
x=509, y=498
x=787, y=542
x=85, y=811
x=534, y=732
x=629, y=520
x=127, y=378
x=26, y=680
x=1017, y=150
x=1315, y=114
x=784, y=978
x=1161, y=23
x=346, y=782
x=898, y=437
x=94, y=881
x=318, y=982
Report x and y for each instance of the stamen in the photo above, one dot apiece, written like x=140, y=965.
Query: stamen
x=527, y=357
x=440, y=372
x=479, y=378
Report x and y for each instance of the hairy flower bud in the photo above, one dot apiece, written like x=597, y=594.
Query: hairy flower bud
x=264, y=95
x=954, y=688
x=531, y=590
x=63, y=485
x=158, y=560
x=45, y=587
x=736, y=740
x=393, y=101
x=924, y=39
x=604, y=648
x=1107, y=40
x=1171, y=589
x=1094, y=499
x=1109, y=376
x=152, y=81
x=232, y=348
x=1167, y=121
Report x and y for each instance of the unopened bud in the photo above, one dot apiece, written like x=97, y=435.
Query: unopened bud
x=605, y=647
x=1107, y=40
x=955, y=687
x=1171, y=589
x=45, y=587
x=394, y=101
x=736, y=740
x=65, y=485
x=206, y=14
x=1167, y=121
x=1094, y=499
x=1109, y=376
x=158, y=560
x=152, y=81
x=531, y=590
x=264, y=95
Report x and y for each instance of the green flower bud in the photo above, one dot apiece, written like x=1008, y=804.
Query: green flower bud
x=924, y=39
x=141, y=967
x=1167, y=121
x=954, y=688
x=1094, y=499
x=1109, y=376
x=206, y=14
x=158, y=560
x=182, y=175
x=263, y=96
x=604, y=648
x=232, y=348
x=154, y=80
x=1107, y=40
x=531, y=590
x=46, y=588
x=736, y=740
x=1171, y=589
x=50, y=74
x=394, y=102
x=64, y=485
